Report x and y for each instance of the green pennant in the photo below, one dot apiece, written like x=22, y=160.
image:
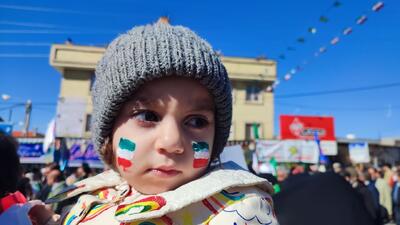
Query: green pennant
x=323, y=19
x=301, y=40
x=337, y=4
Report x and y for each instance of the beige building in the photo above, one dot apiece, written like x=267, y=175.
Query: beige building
x=252, y=105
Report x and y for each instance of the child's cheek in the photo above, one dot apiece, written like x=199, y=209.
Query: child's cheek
x=201, y=154
x=125, y=152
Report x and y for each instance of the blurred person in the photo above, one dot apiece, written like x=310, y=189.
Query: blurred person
x=14, y=207
x=388, y=174
x=320, y=198
x=82, y=172
x=396, y=200
x=385, y=196
x=281, y=173
x=357, y=179
x=337, y=167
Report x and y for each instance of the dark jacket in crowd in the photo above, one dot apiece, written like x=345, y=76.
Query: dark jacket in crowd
x=324, y=198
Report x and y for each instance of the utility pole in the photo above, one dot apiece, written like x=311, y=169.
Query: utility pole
x=28, y=110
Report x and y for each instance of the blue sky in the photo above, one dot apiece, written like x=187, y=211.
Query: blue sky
x=368, y=57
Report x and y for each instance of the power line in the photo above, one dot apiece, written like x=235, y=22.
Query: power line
x=53, y=10
x=10, y=31
x=24, y=44
x=338, y=108
x=24, y=55
x=338, y=91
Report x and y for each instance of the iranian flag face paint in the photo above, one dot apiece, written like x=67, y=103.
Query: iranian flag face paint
x=125, y=151
x=201, y=154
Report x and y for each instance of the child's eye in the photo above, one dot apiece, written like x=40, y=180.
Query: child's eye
x=146, y=116
x=197, y=122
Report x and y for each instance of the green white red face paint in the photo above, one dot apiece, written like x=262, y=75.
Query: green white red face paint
x=125, y=151
x=201, y=154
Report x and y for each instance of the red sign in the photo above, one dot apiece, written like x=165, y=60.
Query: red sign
x=304, y=127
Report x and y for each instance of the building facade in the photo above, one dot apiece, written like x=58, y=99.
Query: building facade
x=253, y=107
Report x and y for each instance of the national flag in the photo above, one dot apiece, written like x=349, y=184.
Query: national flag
x=337, y=4
x=347, y=31
x=201, y=154
x=378, y=6
x=301, y=40
x=323, y=19
x=125, y=152
x=334, y=41
x=312, y=30
x=361, y=20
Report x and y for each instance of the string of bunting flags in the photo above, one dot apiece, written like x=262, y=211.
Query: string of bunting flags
x=360, y=20
x=311, y=31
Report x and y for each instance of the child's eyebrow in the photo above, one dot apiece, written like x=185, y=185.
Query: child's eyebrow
x=202, y=105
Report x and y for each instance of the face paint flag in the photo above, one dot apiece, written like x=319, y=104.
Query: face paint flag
x=125, y=153
x=347, y=31
x=378, y=6
x=361, y=20
x=334, y=41
x=201, y=154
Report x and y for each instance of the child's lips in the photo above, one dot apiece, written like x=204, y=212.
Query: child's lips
x=164, y=171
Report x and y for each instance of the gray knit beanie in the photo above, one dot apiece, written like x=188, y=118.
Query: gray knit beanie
x=153, y=51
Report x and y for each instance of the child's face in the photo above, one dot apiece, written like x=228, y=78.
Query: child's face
x=163, y=137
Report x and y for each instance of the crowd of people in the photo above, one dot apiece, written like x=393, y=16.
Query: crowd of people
x=376, y=187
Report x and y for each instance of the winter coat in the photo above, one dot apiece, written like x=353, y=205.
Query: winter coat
x=226, y=195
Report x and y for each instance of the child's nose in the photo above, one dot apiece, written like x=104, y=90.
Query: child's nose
x=170, y=137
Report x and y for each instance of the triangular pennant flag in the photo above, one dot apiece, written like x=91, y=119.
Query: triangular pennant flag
x=335, y=40
x=378, y=6
x=361, y=20
x=323, y=19
x=337, y=4
x=291, y=48
x=301, y=40
x=312, y=30
x=347, y=31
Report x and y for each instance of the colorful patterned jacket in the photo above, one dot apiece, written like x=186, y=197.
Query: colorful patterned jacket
x=227, y=195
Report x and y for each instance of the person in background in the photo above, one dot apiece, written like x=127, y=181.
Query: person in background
x=385, y=197
x=388, y=174
x=396, y=200
x=82, y=172
x=337, y=167
x=14, y=207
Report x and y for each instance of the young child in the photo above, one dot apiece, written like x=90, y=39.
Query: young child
x=162, y=111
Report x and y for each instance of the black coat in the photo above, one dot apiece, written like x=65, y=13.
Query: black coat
x=324, y=198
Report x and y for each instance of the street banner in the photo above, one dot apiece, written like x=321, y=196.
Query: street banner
x=30, y=150
x=71, y=112
x=359, y=152
x=287, y=151
x=304, y=127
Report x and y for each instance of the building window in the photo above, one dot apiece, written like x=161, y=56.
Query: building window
x=88, y=124
x=253, y=131
x=92, y=79
x=253, y=94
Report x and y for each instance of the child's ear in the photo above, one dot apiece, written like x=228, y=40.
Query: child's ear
x=107, y=153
